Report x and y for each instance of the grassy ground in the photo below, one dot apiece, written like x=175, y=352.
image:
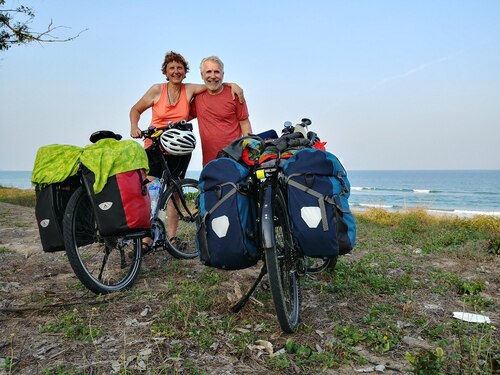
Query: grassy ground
x=21, y=197
x=389, y=303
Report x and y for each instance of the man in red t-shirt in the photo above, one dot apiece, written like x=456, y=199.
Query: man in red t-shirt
x=221, y=119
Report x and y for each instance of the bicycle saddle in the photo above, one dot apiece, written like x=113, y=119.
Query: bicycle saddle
x=101, y=134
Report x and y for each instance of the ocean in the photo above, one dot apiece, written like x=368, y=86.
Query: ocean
x=460, y=192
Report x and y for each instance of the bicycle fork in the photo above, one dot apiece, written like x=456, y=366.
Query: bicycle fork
x=266, y=218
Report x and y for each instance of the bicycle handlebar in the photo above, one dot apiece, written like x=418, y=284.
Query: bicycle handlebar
x=151, y=130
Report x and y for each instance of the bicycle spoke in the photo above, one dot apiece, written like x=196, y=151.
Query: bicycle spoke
x=180, y=222
x=281, y=261
x=104, y=260
x=101, y=264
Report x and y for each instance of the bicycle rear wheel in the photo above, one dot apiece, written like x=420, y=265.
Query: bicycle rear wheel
x=282, y=263
x=103, y=264
x=180, y=221
x=316, y=265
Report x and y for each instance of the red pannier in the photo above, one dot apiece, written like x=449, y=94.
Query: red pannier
x=123, y=205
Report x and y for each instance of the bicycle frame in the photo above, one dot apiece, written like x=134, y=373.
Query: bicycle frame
x=283, y=261
x=266, y=181
x=106, y=264
x=170, y=187
x=166, y=179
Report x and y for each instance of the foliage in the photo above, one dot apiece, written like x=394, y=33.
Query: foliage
x=407, y=274
x=20, y=197
x=416, y=228
x=15, y=28
x=4, y=250
x=60, y=370
x=427, y=362
x=73, y=326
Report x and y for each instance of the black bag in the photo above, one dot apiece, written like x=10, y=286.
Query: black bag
x=51, y=202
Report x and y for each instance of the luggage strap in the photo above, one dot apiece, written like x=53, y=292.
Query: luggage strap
x=221, y=200
x=335, y=200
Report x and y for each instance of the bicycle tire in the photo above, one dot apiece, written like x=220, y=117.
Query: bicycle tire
x=282, y=267
x=102, y=264
x=184, y=246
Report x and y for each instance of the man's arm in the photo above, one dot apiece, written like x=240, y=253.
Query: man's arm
x=246, y=127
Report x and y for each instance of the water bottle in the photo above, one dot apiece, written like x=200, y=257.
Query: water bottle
x=154, y=193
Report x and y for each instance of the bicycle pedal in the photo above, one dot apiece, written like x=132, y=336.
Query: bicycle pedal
x=147, y=249
x=302, y=273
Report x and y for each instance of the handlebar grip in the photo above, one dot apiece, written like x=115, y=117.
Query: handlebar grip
x=150, y=130
x=305, y=122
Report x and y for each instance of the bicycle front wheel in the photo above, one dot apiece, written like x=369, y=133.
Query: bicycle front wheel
x=282, y=263
x=180, y=220
x=102, y=264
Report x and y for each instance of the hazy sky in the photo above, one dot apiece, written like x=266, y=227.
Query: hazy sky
x=388, y=84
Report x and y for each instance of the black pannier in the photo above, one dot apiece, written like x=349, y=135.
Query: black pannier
x=51, y=202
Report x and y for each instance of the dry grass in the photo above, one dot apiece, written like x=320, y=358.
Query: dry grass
x=390, y=302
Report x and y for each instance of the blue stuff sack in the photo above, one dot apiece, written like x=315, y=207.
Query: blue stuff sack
x=318, y=191
x=226, y=224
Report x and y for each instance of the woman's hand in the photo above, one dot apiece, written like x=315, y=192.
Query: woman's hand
x=237, y=91
x=135, y=132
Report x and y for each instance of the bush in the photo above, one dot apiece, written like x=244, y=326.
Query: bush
x=21, y=197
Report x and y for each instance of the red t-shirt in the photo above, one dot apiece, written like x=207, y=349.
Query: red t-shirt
x=219, y=119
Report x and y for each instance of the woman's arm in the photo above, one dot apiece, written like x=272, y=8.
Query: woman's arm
x=193, y=89
x=236, y=91
x=147, y=101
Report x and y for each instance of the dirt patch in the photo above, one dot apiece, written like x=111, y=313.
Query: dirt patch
x=38, y=287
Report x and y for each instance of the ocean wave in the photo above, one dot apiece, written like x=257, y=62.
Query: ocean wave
x=419, y=191
x=373, y=205
x=463, y=213
x=360, y=188
x=485, y=192
x=437, y=212
x=475, y=213
x=423, y=191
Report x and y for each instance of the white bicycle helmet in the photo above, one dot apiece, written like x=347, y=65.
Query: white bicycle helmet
x=178, y=141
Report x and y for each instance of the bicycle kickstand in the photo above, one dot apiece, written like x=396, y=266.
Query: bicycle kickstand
x=243, y=300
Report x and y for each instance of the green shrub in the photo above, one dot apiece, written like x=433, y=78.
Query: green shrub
x=21, y=197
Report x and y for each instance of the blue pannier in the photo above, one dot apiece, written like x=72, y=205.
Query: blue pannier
x=226, y=223
x=318, y=192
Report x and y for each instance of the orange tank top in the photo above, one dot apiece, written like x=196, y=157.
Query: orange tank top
x=163, y=111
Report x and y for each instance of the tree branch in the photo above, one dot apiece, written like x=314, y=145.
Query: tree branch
x=12, y=32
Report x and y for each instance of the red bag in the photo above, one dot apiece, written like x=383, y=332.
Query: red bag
x=123, y=206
